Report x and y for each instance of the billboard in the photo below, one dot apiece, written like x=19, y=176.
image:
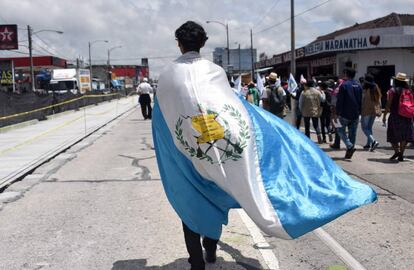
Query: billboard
x=8, y=37
x=144, y=62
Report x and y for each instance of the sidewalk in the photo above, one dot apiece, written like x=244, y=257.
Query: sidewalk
x=101, y=205
x=25, y=147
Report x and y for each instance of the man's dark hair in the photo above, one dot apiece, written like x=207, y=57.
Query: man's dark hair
x=350, y=72
x=191, y=36
x=310, y=83
x=400, y=84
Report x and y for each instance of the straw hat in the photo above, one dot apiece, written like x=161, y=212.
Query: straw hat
x=401, y=77
x=272, y=76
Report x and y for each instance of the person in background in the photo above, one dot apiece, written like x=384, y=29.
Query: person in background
x=285, y=86
x=371, y=108
x=326, y=112
x=348, y=110
x=296, y=97
x=144, y=89
x=310, y=106
x=337, y=141
x=274, y=97
x=253, y=95
x=236, y=91
x=400, y=129
x=243, y=90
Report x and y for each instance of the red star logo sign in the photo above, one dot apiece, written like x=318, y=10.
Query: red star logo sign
x=6, y=35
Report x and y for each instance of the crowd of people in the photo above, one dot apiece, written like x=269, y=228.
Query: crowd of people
x=335, y=108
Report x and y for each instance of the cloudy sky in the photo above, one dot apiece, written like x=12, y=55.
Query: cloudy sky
x=145, y=28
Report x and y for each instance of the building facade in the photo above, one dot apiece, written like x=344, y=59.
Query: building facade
x=382, y=47
x=240, y=59
x=127, y=76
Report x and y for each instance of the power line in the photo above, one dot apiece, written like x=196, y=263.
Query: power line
x=297, y=15
x=264, y=16
x=48, y=46
x=149, y=57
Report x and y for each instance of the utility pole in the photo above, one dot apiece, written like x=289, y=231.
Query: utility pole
x=292, y=38
x=239, y=60
x=228, y=47
x=90, y=64
x=251, y=52
x=29, y=37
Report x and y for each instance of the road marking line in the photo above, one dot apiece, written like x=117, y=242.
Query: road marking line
x=336, y=248
x=261, y=243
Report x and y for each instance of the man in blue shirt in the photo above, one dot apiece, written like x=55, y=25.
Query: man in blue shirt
x=348, y=109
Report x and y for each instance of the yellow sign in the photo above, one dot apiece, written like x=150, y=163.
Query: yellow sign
x=6, y=77
x=208, y=127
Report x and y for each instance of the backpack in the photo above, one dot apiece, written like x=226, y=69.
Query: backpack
x=406, y=103
x=276, y=102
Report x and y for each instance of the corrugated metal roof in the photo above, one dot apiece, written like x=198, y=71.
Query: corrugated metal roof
x=390, y=20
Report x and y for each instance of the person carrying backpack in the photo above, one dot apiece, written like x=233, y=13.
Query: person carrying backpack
x=400, y=105
x=274, y=97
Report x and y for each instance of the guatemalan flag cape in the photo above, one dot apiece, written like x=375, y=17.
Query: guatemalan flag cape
x=216, y=151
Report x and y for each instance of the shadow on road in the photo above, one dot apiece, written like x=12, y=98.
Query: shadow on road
x=141, y=264
x=240, y=262
x=383, y=160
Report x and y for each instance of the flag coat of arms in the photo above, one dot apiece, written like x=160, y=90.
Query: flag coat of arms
x=215, y=151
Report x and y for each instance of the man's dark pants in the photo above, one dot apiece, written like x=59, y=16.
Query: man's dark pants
x=192, y=241
x=145, y=102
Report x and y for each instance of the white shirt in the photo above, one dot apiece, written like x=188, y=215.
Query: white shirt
x=144, y=88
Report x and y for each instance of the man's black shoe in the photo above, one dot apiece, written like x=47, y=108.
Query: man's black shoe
x=350, y=152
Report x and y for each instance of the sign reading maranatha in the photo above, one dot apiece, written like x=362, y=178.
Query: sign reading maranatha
x=343, y=44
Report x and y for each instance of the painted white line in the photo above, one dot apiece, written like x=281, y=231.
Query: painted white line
x=261, y=243
x=336, y=248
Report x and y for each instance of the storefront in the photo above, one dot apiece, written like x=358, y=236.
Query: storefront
x=381, y=47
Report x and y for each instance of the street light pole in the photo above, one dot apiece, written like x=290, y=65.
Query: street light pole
x=239, y=60
x=90, y=58
x=227, y=36
x=29, y=37
x=251, y=52
x=109, y=62
x=292, y=38
x=228, y=47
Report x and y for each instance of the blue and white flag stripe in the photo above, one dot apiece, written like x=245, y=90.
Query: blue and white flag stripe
x=216, y=152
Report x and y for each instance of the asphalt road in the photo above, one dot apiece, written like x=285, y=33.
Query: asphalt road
x=100, y=205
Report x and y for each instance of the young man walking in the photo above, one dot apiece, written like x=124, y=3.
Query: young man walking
x=348, y=110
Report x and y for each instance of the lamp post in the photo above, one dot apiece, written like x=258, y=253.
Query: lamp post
x=227, y=35
x=90, y=43
x=239, y=57
x=109, y=61
x=29, y=37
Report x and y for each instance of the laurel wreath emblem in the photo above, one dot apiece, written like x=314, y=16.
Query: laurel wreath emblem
x=233, y=148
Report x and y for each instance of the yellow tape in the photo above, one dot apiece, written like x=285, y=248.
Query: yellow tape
x=51, y=106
